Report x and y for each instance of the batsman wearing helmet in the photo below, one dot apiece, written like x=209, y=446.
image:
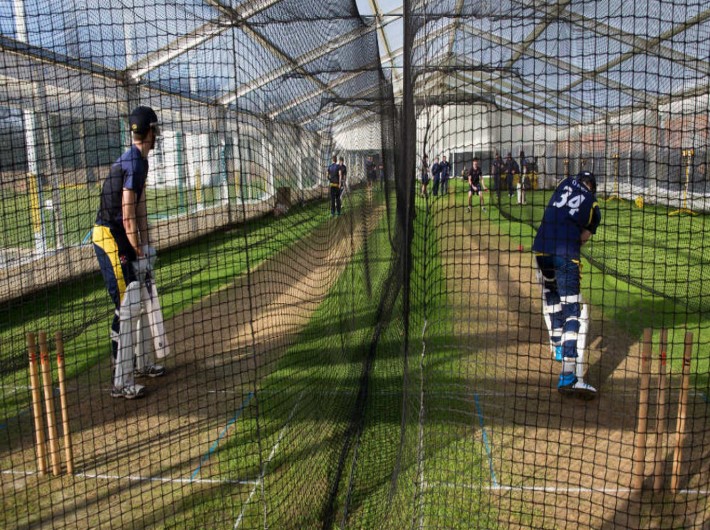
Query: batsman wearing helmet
x=570, y=219
x=122, y=246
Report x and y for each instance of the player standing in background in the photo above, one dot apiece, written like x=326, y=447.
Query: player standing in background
x=496, y=172
x=445, y=173
x=122, y=246
x=436, y=175
x=370, y=171
x=570, y=219
x=511, y=169
x=343, y=177
x=333, y=175
x=524, y=181
x=475, y=184
x=425, y=173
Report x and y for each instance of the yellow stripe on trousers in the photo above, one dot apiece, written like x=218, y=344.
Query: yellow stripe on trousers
x=102, y=237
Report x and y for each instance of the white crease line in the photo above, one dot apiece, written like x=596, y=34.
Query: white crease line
x=238, y=522
x=557, y=489
x=137, y=478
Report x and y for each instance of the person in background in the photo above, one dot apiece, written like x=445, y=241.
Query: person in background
x=511, y=169
x=343, y=178
x=436, y=175
x=444, y=175
x=425, y=173
x=475, y=184
x=496, y=170
x=334, y=182
x=370, y=171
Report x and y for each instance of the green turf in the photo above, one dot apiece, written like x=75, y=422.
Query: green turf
x=305, y=404
x=83, y=310
x=294, y=430
x=76, y=211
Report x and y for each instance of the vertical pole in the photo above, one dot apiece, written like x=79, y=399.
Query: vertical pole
x=642, y=422
x=40, y=444
x=198, y=188
x=689, y=154
x=35, y=192
x=181, y=171
x=30, y=127
x=682, y=413
x=68, y=450
x=659, y=471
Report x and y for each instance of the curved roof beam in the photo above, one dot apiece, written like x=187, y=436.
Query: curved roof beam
x=521, y=49
x=380, y=24
x=302, y=60
x=653, y=46
x=294, y=64
x=227, y=20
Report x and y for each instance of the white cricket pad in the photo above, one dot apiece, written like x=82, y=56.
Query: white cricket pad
x=151, y=305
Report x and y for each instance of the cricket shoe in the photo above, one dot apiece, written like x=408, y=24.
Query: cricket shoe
x=128, y=392
x=154, y=370
x=569, y=385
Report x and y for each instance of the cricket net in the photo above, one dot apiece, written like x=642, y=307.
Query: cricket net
x=374, y=355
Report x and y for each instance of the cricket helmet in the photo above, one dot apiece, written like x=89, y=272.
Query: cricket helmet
x=587, y=178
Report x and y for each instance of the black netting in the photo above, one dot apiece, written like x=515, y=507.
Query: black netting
x=370, y=346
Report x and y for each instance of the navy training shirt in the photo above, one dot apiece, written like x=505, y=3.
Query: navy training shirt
x=571, y=209
x=334, y=173
x=475, y=175
x=128, y=172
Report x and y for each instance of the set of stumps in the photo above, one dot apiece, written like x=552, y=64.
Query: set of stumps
x=660, y=470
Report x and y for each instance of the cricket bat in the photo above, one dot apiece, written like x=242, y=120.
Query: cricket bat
x=151, y=305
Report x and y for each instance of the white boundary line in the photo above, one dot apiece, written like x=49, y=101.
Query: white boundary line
x=138, y=478
x=463, y=395
x=428, y=485
x=238, y=522
x=556, y=489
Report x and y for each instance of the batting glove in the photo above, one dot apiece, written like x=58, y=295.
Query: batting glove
x=150, y=254
x=141, y=267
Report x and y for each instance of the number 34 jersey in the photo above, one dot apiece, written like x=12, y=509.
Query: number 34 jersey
x=572, y=209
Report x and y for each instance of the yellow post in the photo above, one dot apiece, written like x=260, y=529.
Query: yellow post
x=615, y=192
x=688, y=155
x=36, y=212
x=35, y=205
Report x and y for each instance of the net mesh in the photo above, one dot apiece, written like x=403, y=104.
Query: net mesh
x=374, y=354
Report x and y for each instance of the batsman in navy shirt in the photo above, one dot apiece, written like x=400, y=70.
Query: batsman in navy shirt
x=571, y=217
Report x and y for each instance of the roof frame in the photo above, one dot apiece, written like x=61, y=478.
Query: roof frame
x=229, y=17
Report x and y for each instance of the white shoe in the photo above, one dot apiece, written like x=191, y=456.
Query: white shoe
x=154, y=370
x=579, y=389
x=128, y=392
